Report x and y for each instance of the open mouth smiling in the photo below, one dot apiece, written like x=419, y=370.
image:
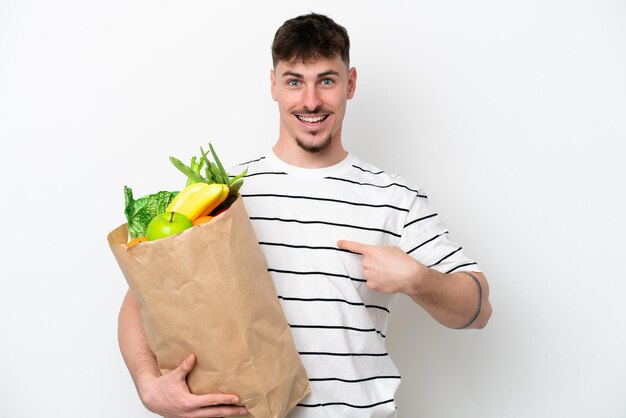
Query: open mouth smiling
x=312, y=119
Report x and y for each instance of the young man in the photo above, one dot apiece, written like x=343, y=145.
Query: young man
x=340, y=238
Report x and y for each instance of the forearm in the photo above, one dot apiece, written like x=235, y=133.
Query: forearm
x=453, y=299
x=137, y=355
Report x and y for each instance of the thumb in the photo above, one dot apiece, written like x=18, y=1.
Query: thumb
x=352, y=246
x=186, y=365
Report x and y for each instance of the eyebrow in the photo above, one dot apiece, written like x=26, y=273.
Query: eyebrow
x=320, y=75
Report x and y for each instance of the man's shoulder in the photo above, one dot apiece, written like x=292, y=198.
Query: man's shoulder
x=251, y=164
x=372, y=172
x=368, y=168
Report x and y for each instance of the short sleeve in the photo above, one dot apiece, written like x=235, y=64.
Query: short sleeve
x=426, y=239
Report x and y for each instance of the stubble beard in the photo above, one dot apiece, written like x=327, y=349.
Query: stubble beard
x=315, y=148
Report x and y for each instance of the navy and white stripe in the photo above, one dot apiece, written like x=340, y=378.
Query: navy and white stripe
x=339, y=326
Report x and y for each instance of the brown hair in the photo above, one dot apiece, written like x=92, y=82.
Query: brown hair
x=309, y=37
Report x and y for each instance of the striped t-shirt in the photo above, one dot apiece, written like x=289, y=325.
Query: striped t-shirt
x=339, y=326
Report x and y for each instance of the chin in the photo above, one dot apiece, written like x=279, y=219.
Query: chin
x=315, y=147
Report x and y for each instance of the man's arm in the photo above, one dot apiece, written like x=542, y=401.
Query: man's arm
x=167, y=395
x=456, y=300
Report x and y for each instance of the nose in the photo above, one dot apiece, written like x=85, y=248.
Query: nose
x=311, y=99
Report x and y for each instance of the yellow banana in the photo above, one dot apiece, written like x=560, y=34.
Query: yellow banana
x=216, y=203
x=198, y=199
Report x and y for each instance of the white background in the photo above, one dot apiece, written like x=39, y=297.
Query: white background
x=511, y=115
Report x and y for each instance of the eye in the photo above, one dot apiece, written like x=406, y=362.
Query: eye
x=293, y=83
x=327, y=82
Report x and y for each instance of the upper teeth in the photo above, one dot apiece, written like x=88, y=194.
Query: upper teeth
x=311, y=119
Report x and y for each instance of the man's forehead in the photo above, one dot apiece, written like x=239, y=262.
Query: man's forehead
x=317, y=66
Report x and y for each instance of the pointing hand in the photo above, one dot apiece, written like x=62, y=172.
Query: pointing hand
x=386, y=269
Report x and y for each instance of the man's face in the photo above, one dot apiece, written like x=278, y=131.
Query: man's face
x=312, y=100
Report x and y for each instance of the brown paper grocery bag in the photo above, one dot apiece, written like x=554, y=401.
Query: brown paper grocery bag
x=207, y=291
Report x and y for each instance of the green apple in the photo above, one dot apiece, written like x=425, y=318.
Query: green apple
x=166, y=224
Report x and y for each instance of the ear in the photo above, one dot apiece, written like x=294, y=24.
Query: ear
x=273, y=84
x=351, y=82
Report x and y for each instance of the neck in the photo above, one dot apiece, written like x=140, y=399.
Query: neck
x=288, y=151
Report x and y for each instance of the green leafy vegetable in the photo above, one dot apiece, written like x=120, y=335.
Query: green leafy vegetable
x=140, y=212
x=220, y=167
x=214, y=173
x=196, y=166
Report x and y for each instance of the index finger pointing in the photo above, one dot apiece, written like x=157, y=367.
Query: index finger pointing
x=352, y=246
